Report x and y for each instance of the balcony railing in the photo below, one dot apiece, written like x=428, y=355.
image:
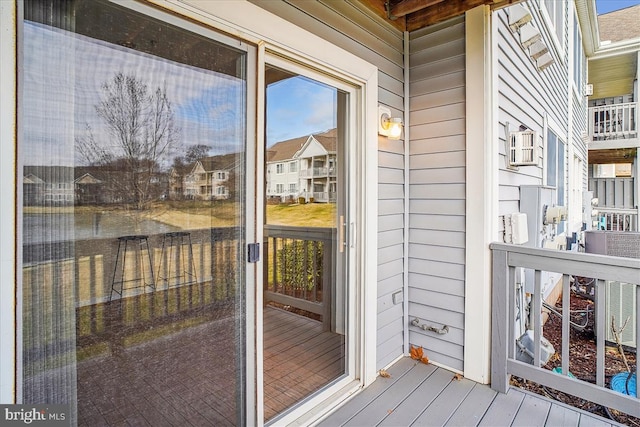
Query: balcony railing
x=611, y=219
x=616, y=193
x=617, y=121
x=318, y=172
x=507, y=259
x=180, y=285
x=298, y=269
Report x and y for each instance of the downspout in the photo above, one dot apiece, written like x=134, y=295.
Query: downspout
x=405, y=258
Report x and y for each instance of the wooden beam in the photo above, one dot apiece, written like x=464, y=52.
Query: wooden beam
x=406, y=7
x=615, y=155
x=441, y=12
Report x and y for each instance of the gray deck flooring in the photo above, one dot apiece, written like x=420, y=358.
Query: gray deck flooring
x=425, y=395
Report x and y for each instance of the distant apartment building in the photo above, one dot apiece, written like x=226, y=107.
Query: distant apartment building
x=303, y=168
x=208, y=179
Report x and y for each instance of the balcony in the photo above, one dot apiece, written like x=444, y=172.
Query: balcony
x=616, y=122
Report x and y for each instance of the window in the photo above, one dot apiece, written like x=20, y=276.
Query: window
x=555, y=169
x=293, y=188
x=279, y=188
x=293, y=167
x=555, y=165
x=222, y=176
x=221, y=191
x=280, y=168
x=578, y=57
x=555, y=18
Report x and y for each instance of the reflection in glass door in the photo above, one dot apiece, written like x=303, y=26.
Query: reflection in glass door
x=132, y=151
x=304, y=287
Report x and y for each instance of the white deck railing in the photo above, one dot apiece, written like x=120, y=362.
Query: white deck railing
x=617, y=121
x=508, y=258
x=611, y=219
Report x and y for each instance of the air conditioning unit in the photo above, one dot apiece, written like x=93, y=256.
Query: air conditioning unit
x=621, y=304
x=523, y=148
x=620, y=297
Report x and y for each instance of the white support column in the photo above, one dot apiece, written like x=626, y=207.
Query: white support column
x=636, y=183
x=636, y=180
x=481, y=191
x=8, y=221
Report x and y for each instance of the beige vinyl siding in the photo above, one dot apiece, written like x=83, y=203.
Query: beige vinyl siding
x=525, y=95
x=352, y=27
x=437, y=189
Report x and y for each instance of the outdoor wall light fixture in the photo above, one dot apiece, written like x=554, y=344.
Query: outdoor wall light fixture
x=391, y=127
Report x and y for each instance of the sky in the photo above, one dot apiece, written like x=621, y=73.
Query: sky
x=605, y=6
x=297, y=107
x=207, y=105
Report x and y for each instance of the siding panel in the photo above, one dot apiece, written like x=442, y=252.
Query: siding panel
x=437, y=189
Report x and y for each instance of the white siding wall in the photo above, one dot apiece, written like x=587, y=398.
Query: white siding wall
x=525, y=95
x=356, y=30
x=437, y=189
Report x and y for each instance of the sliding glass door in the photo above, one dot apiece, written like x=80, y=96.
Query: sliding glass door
x=306, y=336
x=133, y=149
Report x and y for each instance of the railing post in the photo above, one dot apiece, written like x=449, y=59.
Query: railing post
x=500, y=322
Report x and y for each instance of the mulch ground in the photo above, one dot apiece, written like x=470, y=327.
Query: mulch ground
x=582, y=364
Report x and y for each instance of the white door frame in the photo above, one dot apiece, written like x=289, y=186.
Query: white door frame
x=248, y=22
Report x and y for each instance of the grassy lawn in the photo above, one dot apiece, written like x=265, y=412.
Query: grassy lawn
x=197, y=214
x=309, y=215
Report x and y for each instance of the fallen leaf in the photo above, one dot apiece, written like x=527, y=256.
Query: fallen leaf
x=457, y=377
x=416, y=353
x=384, y=374
x=389, y=411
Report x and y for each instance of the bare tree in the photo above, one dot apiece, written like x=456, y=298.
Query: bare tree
x=196, y=152
x=142, y=132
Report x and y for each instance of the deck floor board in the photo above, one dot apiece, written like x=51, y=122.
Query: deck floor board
x=425, y=395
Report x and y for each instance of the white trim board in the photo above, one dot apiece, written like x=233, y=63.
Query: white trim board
x=481, y=192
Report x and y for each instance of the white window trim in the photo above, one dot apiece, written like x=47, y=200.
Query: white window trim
x=553, y=32
x=550, y=124
x=578, y=91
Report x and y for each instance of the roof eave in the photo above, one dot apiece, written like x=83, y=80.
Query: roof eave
x=588, y=19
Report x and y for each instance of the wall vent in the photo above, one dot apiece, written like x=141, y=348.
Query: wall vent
x=523, y=148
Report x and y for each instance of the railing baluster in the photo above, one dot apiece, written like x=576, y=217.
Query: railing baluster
x=566, y=308
x=500, y=330
x=511, y=308
x=601, y=324
x=637, y=340
x=536, y=316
